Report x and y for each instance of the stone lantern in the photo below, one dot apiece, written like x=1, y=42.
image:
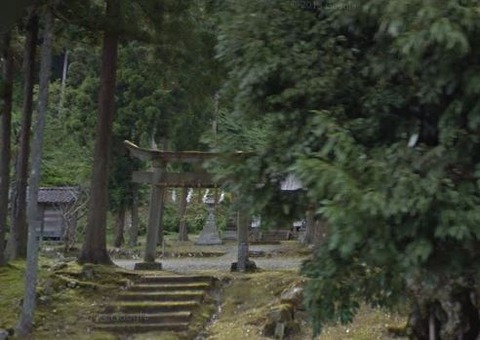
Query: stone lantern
x=210, y=234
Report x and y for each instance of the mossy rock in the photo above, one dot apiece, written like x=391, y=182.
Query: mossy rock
x=293, y=294
x=277, y=316
x=95, y=276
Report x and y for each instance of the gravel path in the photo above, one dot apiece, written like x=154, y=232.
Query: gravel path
x=222, y=263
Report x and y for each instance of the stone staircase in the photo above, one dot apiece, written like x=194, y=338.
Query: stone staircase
x=156, y=304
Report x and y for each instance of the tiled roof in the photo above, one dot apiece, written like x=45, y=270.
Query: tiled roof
x=57, y=195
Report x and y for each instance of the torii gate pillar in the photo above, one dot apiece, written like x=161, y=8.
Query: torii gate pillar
x=243, y=264
x=154, y=220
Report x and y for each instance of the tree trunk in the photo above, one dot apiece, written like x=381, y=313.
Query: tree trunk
x=70, y=232
x=120, y=227
x=310, y=225
x=447, y=311
x=320, y=231
x=163, y=196
x=17, y=247
x=316, y=228
x=64, y=83
x=161, y=207
x=25, y=323
x=200, y=193
x=5, y=130
x=133, y=239
x=182, y=228
x=242, y=236
x=94, y=249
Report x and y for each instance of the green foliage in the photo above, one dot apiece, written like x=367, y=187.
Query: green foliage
x=166, y=78
x=195, y=216
x=171, y=219
x=374, y=106
x=65, y=160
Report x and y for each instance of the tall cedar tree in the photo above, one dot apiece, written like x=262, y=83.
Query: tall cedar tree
x=182, y=209
x=25, y=323
x=17, y=247
x=5, y=122
x=120, y=227
x=94, y=248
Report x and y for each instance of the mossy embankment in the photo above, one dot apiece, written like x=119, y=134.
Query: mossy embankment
x=69, y=297
x=249, y=300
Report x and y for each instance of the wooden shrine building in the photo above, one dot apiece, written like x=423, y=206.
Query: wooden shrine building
x=55, y=211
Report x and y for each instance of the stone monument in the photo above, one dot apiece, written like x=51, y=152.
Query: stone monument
x=210, y=234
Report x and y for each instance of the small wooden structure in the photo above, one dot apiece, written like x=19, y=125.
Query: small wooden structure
x=55, y=211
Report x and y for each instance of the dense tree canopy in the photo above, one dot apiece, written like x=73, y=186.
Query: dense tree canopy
x=375, y=106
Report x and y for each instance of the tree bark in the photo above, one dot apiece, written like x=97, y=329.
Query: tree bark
x=17, y=246
x=25, y=323
x=94, y=249
x=200, y=193
x=182, y=228
x=316, y=228
x=70, y=232
x=310, y=225
x=64, y=83
x=242, y=236
x=162, y=195
x=161, y=209
x=320, y=232
x=120, y=227
x=133, y=239
x=5, y=132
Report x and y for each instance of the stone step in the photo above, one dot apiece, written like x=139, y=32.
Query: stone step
x=151, y=307
x=143, y=318
x=174, y=279
x=187, y=295
x=156, y=287
x=155, y=303
x=143, y=328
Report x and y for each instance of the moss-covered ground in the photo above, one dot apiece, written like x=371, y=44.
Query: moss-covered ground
x=70, y=296
x=247, y=299
x=11, y=291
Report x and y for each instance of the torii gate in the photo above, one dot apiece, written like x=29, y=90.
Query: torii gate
x=160, y=179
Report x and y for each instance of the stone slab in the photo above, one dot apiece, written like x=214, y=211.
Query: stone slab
x=250, y=266
x=148, y=266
